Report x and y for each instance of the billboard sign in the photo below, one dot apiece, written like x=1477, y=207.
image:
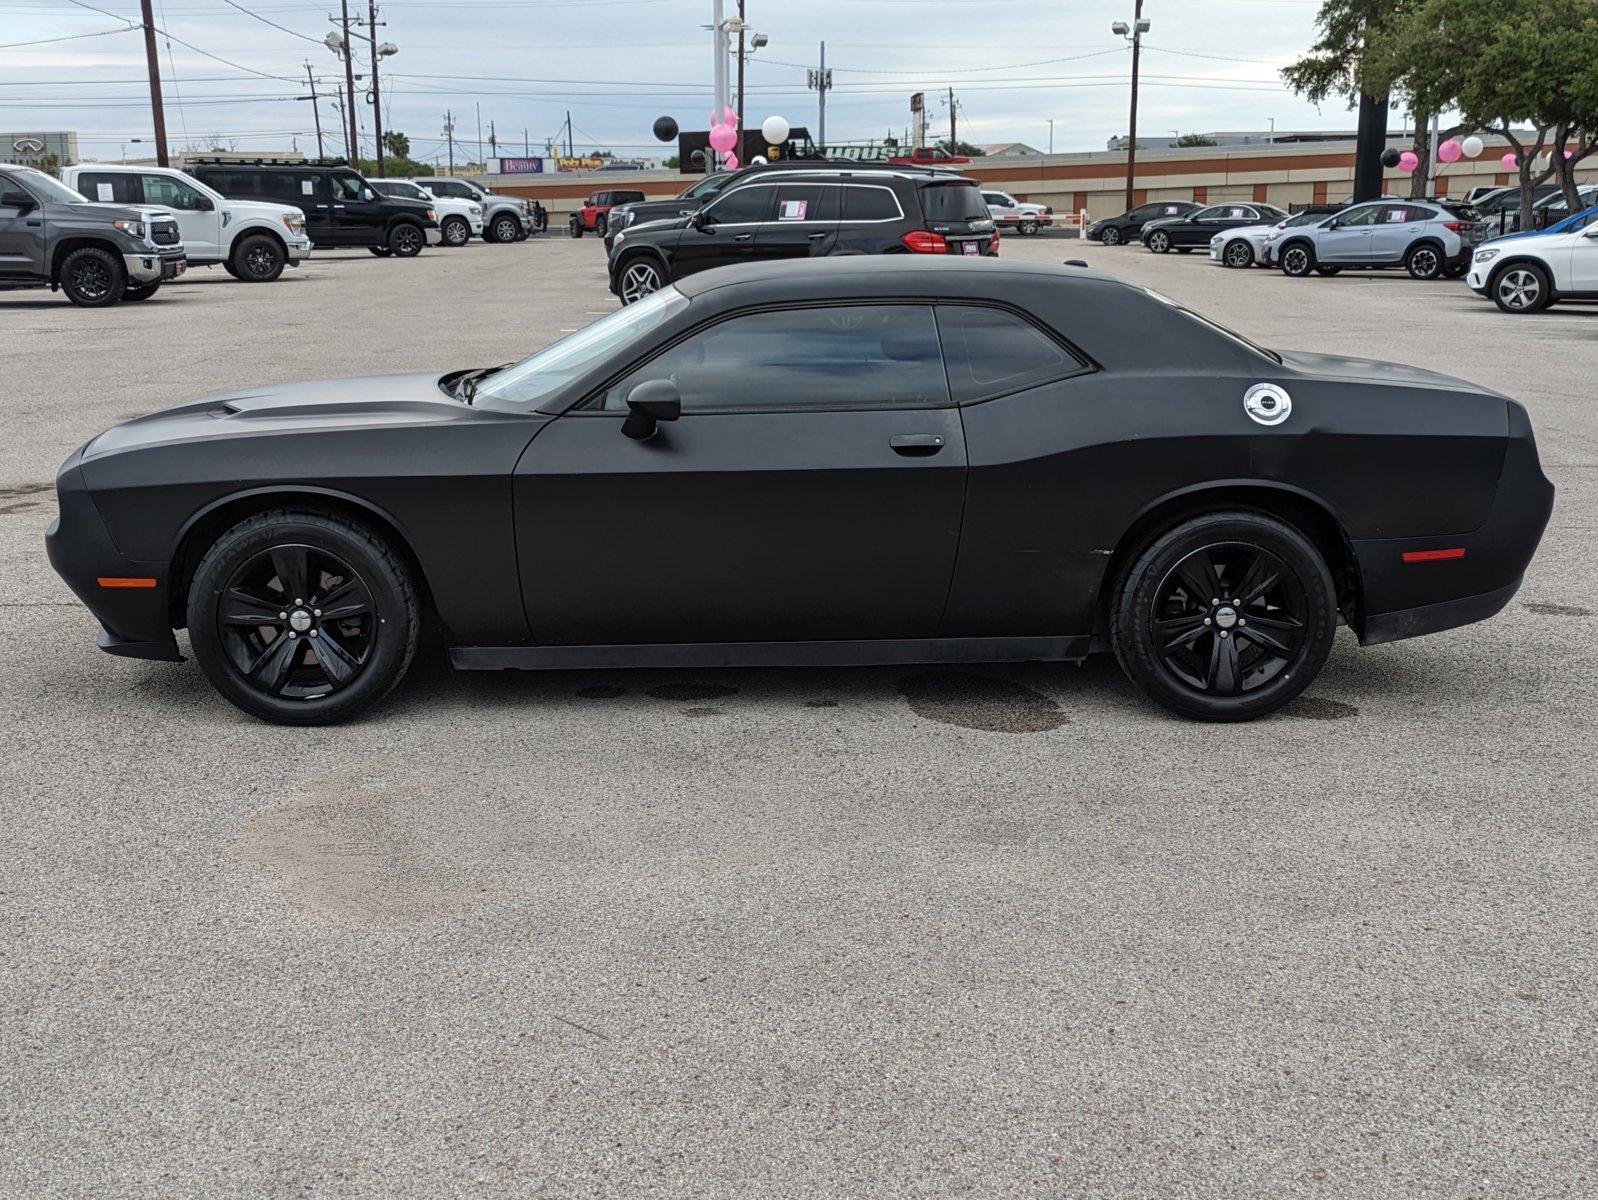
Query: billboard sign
x=585, y=162
x=521, y=166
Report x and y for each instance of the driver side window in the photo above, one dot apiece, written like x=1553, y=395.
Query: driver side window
x=843, y=356
x=173, y=193
x=1359, y=217
x=348, y=187
x=742, y=206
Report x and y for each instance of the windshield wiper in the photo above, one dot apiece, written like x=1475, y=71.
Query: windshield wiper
x=466, y=385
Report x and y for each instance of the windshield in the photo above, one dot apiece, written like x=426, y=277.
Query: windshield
x=708, y=186
x=1304, y=218
x=537, y=378
x=1229, y=334
x=52, y=190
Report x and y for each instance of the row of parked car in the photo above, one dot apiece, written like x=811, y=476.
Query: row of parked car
x=1521, y=271
x=107, y=232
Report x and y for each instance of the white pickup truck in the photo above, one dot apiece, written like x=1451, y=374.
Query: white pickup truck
x=251, y=239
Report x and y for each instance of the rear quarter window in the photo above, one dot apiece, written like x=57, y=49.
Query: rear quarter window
x=990, y=352
x=862, y=203
x=952, y=202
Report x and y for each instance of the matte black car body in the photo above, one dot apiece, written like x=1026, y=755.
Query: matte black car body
x=861, y=532
x=1193, y=230
x=845, y=211
x=1118, y=230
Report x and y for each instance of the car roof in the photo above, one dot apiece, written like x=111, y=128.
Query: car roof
x=880, y=271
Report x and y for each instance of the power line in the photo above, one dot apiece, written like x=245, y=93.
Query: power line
x=265, y=21
x=71, y=37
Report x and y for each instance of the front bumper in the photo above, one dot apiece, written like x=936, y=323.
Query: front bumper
x=155, y=266
x=1406, y=599
x=299, y=249
x=1478, y=275
x=128, y=597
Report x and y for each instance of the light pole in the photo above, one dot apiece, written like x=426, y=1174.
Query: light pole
x=1134, y=34
x=1051, y=135
x=339, y=44
x=383, y=50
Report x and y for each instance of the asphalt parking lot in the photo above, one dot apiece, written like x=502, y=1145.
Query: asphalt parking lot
x=848, y=932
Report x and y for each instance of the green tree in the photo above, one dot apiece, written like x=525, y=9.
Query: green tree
x=396, y=144
x=1195, y=139
x=395, y=167
x=965, y=148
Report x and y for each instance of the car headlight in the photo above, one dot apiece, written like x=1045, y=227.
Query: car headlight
x=294, y=223
x=527, y=207
x=620, y=238
x=475, y=210
x=131, y=228
x=1487, y=254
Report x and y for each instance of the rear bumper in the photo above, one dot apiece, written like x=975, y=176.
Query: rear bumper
x=1402, y=599
x=132, y=612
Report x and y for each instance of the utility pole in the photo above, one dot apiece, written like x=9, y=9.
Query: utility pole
x=1131, y=146
x=377, y=96
x=953, y=140
x=740, y=80
x=493, y=141
x=157, y=113
x=718, y=45
x=316, y=110
x=820, y=81
x=479, y=104
x=527, y=146
x=570, y=152
x=349, y=81
x=449, y=135
x=1051, y=135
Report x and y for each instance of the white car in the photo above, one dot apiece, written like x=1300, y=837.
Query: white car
x=1250, y=245
x=1526, y=272
x=458, y=220
x=252, y=239
x=1023, y=216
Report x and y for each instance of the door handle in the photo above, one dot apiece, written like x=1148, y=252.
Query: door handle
x=742, y=237
x=916, y=445
x=338, y=206
x=816, y=237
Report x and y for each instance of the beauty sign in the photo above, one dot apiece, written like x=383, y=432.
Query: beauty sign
x=792, y=210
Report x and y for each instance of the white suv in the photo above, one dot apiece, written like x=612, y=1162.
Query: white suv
x=252, y=239
x=458, y=220
x=1525, y=272
x=1023, y=216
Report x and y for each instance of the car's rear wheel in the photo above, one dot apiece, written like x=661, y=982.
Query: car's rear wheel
x=639, y=278
x=1298, y=260
x=1522, y=288
x=1026, y=227
x=302, y=618
x=1238, y=253
x=1225, y=616
x=258, y=259
x=505, y=228
x=406, y=240
x=457, y=231
x=1424, y=261
x=1159, y=241
x=1111, y=236
x=93, y=278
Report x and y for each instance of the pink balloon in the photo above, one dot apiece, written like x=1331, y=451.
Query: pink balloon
x=1408, y=160
x=722, y=138
x=1450, y=151
x=1509, y=162
x=1570, y=154
x=729, y=116
x=732, y=162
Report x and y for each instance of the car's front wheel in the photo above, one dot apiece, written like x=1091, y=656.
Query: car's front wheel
x=1225, y=616
x=575, y=226
x=457, y=231
x=1424, y=261
x=1026, y=227
x=93, y=278
x=1522, y=288
x=639, y=278
x=505, y=228
x=258, y=259
x=301, y=617
x=406, y=240
x=1298, y=260
x=1111, y=236
x=1159, y=241
x=1238, y=253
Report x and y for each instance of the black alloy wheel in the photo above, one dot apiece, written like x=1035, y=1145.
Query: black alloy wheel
x=93, y=277
x=506, y=228
x=1226, y=617
x=1298, y=260
x=1424, y=261
x=406, y=240
x=1111, y=236
x=601, y=223
x=1237, y=253
x=302, y=618
x=575, y=226
x=1159, y=241
x=457, y=231
x=258, y=259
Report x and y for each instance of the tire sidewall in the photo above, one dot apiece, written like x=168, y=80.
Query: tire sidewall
x=1134, y=597
x=1226, y=254
x=456, y=231
x=241, y=260
x=119, y=278
x=501, y=224
x=393, y=598
x=1111, y=236
x=1309, y=260
x=1159, y=241
x=1542, y=281
x=1415, y=252
x=396, y=240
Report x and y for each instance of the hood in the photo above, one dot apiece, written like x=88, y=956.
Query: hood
x=1373, y=370
x=260, y=208
x=110, y=212
x=651, y=224
x=289, y=408
x=1158, y=221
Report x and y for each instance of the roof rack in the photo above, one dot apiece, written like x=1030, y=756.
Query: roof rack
x=209, y=161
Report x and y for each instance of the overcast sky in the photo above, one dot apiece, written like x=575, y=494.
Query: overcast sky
x=617, y=64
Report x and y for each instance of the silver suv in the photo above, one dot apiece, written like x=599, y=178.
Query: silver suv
x=1428, y=238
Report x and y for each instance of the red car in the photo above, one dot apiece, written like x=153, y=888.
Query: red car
x=590, y=218
x=928, y=156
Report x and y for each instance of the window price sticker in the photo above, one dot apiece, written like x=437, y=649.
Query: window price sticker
x=792, y=210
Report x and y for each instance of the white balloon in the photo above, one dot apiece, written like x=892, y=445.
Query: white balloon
x=774, y=130
x=758, y=160
x=1472, y=146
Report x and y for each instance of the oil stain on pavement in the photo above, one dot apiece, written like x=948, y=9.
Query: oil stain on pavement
x=1558, y=610
x=1318, y=708
x=981, y=702
x=691, y=691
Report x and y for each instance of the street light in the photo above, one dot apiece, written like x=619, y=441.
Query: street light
x=1134, y=34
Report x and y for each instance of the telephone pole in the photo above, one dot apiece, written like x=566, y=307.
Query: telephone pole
x=316, y=110
x=349, y=81
x=157, y=113
x=820, y=80
x=377, y=96
x=493, y=142
x=449, y=134
x=953, y=141
x=479, y=133
x=1134, y=34
x=740, y=80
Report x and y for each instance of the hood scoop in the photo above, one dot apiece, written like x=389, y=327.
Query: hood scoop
x=269, y=408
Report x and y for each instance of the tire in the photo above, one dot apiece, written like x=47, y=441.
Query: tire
x=257, y=259
x=142, y=292
x=1424, y=261
x=575, y=226
x=228, y=266
x=601, y=223
x=1521, y=287
x=1111, y=236
x=1298, y=260
x=406, y=240
x=1455, y=271
x=1328, y=271
x=505, y=228
x=93, y=278
x=457, y=231
x=1159, y=241
x=639, y=277
x=1237, y=254
x=1222, y=671
x=1026, y=228
x=381, y=251
x=246, y=650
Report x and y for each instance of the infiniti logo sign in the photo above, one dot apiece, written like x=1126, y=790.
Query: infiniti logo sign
x=28, y=145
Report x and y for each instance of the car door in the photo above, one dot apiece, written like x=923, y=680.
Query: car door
x=1396, y=226
x=21, y=231
x=1001, y=206
x=357, y=209
x=802, y=223
x=1197, y=228
x=198, y=221
x=1346, y=238
x=1583, y=259
x=725, y=230
x=811, y=490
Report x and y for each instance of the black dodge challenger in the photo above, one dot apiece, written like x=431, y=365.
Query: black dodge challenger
x=835, y=461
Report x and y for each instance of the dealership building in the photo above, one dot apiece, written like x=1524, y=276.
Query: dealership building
x=34, y=148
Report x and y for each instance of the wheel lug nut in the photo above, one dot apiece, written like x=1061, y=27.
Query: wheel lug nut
x=1213, y=600
x=1224, y=633
x=1241, y=621
x=316, y=612
x=282, y=616
x=1206, y=620
x=297, y=600
x=292, y=635
x=313, y=633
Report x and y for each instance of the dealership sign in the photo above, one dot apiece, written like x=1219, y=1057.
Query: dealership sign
x=587, y=162
x=521, y=166
x=28, y=145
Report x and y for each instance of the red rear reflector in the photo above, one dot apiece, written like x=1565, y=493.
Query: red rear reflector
x=924, y=241
x=1414, y=556
x=993, y=242
x=125, y=581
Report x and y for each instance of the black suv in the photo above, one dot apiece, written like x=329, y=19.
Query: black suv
x=341, y=208
x=807, y=214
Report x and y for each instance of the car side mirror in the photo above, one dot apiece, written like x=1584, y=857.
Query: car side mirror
x=204, y=204
x=649, y=403
x=699, y=220
x=18, y=200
